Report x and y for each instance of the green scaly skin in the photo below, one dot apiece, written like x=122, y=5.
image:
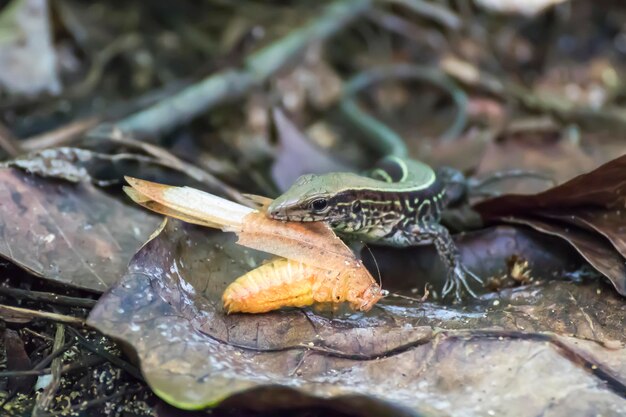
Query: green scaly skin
x=399, y=204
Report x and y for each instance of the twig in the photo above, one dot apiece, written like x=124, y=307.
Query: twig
x=227, y=85
x=54, y=354
x=8, y=143
x=28, y=372
x=88, y=362
x=169, y=160
x=120, y=363
x=10, y=311
x=71, y=131
x=436, y=12
x=408, y=29
x=37, y=334
x=40, y=369
x=48, y=297
x=45, y=399
x=121, y=44
x=88, y=404
x=62, y=135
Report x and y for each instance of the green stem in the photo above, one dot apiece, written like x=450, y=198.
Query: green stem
x=234, y=83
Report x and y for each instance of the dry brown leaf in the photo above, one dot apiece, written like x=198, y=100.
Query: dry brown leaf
x=311, y=243
x=589, y=212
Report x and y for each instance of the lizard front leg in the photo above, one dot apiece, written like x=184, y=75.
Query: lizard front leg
x=449, y=254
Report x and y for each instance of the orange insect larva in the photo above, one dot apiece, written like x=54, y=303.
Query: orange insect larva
x=286, y=283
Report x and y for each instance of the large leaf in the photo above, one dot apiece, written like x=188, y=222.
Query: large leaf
x=588, y=211
x=71, y=233
x=426, y=358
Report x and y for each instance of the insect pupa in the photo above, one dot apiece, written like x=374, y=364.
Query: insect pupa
x=286, y=283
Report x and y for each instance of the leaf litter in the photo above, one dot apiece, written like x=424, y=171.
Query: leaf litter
x=526, y=319
x=193, y=355
x=404, y=356
x=588, y=211
x=74, y=234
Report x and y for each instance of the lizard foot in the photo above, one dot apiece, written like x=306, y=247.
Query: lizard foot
x=457, y=281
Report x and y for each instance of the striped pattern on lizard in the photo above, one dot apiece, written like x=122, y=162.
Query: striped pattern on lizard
x=398, y=204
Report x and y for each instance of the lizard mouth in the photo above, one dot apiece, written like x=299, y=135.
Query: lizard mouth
x=277, y=212
x=286, y=215
x=280, y=214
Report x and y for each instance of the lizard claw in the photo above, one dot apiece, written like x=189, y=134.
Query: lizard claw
x=457, y=280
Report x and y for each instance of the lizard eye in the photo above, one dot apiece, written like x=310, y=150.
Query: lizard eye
x=319, y=205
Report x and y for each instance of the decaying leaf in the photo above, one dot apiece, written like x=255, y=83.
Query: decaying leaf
x=17, y=360
x=297, y=155
x=71, y=233
x=105, y=169
x=588, y=211
x=596, y=250
x=422, y=359
x=318, y=266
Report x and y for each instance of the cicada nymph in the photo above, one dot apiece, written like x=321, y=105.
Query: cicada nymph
x=287, y=283
x=316, y=266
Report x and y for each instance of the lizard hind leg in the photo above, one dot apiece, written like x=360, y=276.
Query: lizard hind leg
x=458, y=274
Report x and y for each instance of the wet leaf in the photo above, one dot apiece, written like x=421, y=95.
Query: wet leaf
x=425, y=358
x=587, y=211
x=71, y=233
x=297, y=155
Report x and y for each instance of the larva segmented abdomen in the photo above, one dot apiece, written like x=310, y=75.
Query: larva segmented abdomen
x=287, y=283
x=280, y=283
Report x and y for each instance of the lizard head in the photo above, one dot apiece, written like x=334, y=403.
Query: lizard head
x=315, y=198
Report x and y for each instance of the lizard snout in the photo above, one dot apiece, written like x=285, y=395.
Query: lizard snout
x=277, y=212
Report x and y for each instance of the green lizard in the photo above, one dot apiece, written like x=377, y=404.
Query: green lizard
x=399, y=203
